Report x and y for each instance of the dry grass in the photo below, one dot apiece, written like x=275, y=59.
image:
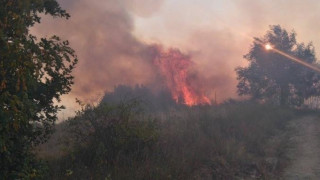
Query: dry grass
x=229, y=141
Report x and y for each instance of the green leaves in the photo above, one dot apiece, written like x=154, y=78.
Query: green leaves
x=33, y=73
x=106, y=137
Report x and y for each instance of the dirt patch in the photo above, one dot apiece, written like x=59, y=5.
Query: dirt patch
x=304, y=150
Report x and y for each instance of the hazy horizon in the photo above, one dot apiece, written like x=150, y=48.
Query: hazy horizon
x=113, y=38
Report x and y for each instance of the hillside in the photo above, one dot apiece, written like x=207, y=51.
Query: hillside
x=230, y=141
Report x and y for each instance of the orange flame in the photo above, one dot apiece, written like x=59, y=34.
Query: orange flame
x=174, y=66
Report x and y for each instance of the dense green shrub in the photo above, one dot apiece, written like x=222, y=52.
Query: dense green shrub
x=105, y=140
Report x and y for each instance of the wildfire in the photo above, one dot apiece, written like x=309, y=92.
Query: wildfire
x=175, y=67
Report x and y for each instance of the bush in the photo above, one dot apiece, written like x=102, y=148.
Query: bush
x=229, y=141
x=224, y=142
x=105, y=140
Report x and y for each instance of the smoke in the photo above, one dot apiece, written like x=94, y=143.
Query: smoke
x=101, y=32
x=302, y=16
x=143, y=8
x=216, y=54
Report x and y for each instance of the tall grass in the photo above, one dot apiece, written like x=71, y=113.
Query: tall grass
x=222, y=142
x=229, y=141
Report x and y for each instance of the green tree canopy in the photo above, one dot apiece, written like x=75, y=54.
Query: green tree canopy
x=34, y=73
x=274, y=77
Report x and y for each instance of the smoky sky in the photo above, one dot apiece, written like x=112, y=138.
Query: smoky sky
x=100, y=33
x=114, y=39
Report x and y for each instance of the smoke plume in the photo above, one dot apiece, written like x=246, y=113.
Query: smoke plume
x=101, y=32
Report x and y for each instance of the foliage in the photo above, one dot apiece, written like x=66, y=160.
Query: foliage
x=273, y=77
x=229, y=141
x=106, y=140
x=151, y=101
x=33, y=74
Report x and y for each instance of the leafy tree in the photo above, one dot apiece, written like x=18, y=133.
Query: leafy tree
x=274, y=77
x=34, y=73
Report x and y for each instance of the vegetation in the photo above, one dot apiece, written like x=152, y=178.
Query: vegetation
x=233, y=140
x=106, y=140
x=151, y=102
x=33, y=74
x=152, y=139
x=275, y=78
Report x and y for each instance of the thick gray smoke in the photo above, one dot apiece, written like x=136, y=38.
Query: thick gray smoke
x=101, y=32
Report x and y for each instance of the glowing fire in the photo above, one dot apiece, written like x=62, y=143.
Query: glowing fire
x=175, y=67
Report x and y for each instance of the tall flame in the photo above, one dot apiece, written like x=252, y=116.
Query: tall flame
x=175, y=67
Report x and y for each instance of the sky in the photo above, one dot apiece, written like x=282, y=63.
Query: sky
x=114, y=38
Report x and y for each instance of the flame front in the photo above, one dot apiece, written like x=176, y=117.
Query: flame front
x=175, y=66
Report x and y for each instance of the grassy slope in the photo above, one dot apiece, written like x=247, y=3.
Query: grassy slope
x=233, y=140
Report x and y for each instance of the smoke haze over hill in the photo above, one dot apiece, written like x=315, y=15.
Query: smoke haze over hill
x=115, y=41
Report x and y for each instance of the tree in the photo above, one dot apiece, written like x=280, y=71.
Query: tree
x=274, y=77
x=34, y=73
